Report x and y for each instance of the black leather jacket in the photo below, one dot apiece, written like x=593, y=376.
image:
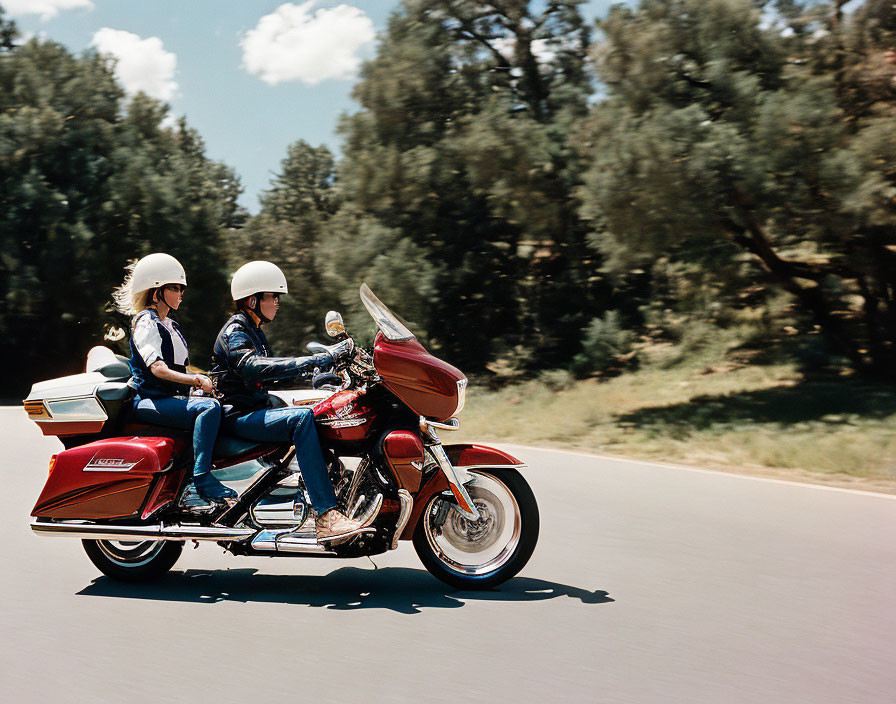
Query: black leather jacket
x=245, y=369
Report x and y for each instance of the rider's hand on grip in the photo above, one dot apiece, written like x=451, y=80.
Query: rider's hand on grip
x=342, y=350
x=203, y=386
x=338, y=352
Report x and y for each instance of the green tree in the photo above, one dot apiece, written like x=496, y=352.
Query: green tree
x=360, y=248
x=719, y=137
x=294, y=217
x=462, y=147
x=166, y=195
x=89, y=181
x=8, y=32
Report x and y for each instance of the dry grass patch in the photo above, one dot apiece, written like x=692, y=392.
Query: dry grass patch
x=758, y=419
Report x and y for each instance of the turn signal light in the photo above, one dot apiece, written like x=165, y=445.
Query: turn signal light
x=36, y=409
x=52, y=464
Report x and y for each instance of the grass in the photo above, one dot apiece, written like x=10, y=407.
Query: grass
x=706, y=411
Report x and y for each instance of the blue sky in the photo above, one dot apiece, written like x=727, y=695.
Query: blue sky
x=231, y=66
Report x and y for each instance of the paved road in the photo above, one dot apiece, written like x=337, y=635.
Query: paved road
x=649, y=584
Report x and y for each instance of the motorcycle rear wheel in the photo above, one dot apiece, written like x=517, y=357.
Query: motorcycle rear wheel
x=133, y=561
x=480, y=554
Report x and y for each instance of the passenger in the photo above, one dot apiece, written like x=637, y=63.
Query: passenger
x=242, y=358
x=153, y=288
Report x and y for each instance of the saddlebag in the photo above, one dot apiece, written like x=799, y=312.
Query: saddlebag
x=106, y=479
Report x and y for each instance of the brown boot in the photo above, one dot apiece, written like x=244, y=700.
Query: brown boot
x=334, y=527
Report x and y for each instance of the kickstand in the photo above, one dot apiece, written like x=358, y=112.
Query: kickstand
x=372, y=562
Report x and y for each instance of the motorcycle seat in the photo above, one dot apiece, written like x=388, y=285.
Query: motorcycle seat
x=226, y=446
x=231, y=446
x=113, y=391
x=116, y=370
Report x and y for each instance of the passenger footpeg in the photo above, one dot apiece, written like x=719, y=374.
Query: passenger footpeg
x=191, y=501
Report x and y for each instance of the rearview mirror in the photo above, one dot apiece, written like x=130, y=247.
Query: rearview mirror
x=334, y=325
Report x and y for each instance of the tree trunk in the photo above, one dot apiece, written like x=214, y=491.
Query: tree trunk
x=753, y=238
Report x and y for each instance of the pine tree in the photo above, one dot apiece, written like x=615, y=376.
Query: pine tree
x=294, y=214
x=720, y=137
x=88, y=181
x=462, y=146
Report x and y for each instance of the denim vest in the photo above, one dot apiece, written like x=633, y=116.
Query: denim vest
x=147, y=384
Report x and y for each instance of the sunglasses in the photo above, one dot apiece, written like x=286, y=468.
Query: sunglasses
x=177, y=288
x=273, y=296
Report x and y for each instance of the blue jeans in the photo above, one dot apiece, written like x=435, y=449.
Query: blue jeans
x=201, y=415
x=296, y=424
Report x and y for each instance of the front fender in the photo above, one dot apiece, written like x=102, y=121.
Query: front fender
x=470, y=455
x=465, y=456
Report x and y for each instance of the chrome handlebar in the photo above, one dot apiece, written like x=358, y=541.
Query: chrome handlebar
x=430, y=426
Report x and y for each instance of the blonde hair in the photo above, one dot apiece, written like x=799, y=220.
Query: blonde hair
x=128, y=301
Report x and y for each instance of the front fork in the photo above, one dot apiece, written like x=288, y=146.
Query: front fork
x=457, y=477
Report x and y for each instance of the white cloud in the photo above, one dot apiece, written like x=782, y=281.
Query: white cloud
x=143, y=64
x=294, y=43
x=542, y=49
x=169, y=122
x=47, y=9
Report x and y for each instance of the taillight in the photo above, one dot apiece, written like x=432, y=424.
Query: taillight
x=36, y=409
x=52, y=464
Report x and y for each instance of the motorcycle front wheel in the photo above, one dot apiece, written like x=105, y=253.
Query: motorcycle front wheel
x=480, y=554
x=132, y=560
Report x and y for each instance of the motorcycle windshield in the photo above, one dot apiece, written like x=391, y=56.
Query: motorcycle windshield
x=391, y=327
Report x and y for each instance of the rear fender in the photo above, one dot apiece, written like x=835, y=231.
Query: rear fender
x=463, y=456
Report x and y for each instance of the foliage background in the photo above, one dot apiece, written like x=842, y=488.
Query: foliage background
x=530, y=193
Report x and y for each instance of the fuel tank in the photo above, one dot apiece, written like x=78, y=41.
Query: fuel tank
x=113, y=478
x=344, y=417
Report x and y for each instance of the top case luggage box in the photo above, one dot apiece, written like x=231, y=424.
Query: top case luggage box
x=81, y=404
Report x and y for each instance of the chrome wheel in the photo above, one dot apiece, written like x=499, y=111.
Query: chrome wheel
x=130, y=553
x=133, y=560
x=482, y=553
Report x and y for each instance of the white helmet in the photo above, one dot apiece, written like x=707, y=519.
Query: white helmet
x=156, y=270
x=257, y=277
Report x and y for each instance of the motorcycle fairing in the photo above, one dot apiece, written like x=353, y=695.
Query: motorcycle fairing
x=429, y=386
x=403, y=451
x=105, y=479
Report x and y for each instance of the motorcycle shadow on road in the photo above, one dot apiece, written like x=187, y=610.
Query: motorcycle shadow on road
x=400, y=589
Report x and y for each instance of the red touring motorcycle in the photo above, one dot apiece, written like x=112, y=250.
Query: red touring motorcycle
x=125, y=489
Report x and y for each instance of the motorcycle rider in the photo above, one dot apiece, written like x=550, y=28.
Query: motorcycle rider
x=153, y=288
x=243, y=359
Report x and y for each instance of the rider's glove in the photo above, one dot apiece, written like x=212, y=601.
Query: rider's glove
x=336, y=353
x=341, y=350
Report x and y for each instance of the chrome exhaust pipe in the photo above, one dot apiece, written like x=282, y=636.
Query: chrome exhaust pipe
x=99, y=531
x=288, y=540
